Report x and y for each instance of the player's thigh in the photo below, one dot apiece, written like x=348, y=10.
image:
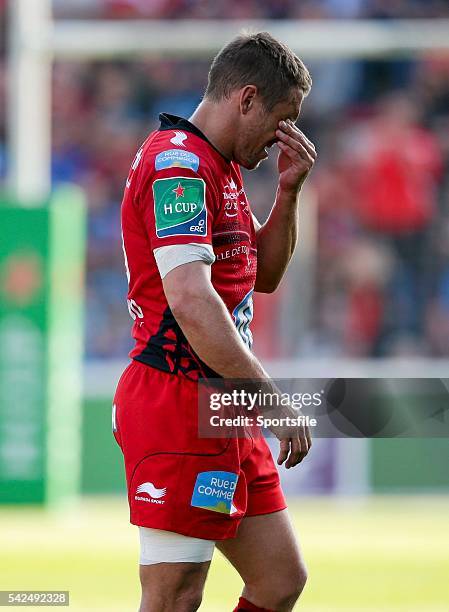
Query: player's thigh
x=174, y=587
x=266, y=546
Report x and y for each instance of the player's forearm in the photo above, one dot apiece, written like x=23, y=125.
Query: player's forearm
x=206, y=322
x=276, y=241
x=211, y=333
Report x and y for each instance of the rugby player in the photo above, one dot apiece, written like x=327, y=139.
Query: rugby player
x=194, y=254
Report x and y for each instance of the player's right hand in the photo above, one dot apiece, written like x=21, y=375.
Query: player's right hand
x=295, y=443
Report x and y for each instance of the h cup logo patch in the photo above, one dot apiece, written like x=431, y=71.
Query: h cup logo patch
x=180, y=206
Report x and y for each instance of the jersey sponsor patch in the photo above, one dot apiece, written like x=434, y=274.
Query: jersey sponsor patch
x=176, y=158
x=214, y=491
x=180, y=207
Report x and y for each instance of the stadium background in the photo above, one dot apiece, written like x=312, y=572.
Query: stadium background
x=367, y=295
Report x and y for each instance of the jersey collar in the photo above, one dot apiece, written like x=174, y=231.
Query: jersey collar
x=170, y=122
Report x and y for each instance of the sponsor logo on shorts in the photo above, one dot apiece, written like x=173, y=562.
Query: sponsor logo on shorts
x=154, y=494
x=176, y=158
x=215, y=491
x=178, y=139
x=180, y=206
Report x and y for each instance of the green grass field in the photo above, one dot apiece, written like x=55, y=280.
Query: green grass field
x=389, y=554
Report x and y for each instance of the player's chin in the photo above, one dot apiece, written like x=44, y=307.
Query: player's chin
x=255, y=161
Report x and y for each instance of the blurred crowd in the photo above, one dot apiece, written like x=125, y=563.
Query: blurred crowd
x=254, y=9
x=380, y=281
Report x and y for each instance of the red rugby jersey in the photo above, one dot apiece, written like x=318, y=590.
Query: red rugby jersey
x=181, y=190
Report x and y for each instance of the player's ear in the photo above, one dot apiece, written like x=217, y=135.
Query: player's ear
x=247, y=97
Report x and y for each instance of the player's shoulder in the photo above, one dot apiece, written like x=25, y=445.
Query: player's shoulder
x=177, y=145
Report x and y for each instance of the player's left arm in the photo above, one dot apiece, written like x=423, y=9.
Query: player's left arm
x=277, y=237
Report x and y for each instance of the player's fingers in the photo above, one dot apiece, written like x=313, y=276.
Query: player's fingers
x=295, y=453
x=293, y=131
x=304, y=444
x=284, y=447
x=308, y=143
x=294, y=154
x=309, y=438
x=295, y=144
x=292, y=142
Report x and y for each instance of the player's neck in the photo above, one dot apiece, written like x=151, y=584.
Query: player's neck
x=210, y=119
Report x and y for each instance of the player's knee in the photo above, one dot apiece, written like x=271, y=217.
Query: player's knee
x=282, y=592
x=182, y=600
x=180, y=594
x=189, y=592
x=291, y=588
x=189, y=600
x=301, y=577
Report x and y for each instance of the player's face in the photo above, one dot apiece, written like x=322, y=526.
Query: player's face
x=257, y=129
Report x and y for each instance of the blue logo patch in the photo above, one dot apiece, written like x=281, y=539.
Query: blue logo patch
x=176, y=158
x=214, y=491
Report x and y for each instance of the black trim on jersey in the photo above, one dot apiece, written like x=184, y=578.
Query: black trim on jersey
x=170, y=122
x=173, y=356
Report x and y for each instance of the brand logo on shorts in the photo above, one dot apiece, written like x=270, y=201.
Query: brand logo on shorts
x=153, y=492
x=215, y=491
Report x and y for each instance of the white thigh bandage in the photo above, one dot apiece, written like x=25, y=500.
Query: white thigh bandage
x=158, y=546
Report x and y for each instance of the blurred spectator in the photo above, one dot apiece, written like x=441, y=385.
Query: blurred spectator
x=397, y=166
x=437, y=319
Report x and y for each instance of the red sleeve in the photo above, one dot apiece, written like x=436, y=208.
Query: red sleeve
x=178, y=205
